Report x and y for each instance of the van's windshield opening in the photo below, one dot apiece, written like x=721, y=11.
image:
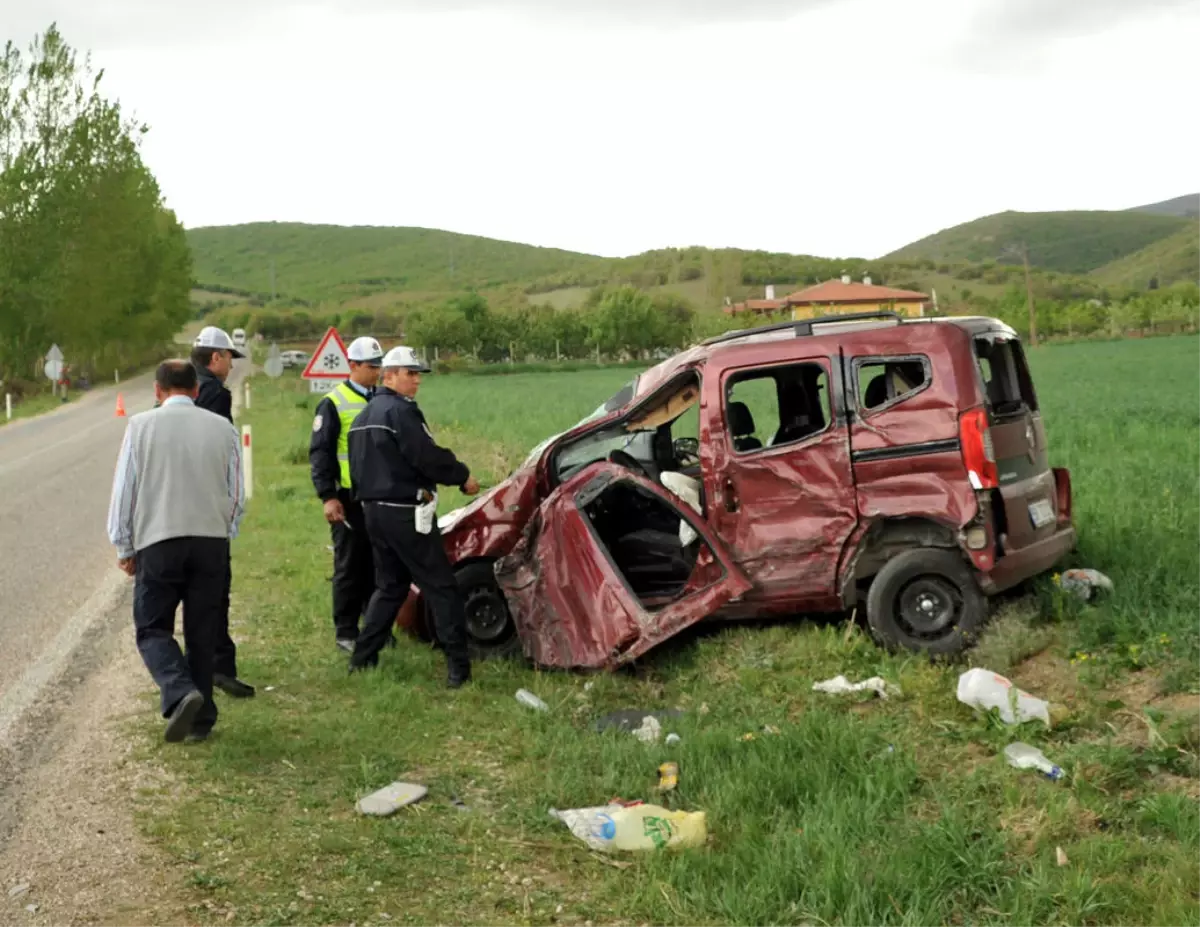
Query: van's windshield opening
x=1005, y=376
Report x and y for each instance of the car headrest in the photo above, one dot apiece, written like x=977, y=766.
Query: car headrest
x=741, y=422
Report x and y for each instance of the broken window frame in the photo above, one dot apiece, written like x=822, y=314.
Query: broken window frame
x=633, y=412
x=869, y=360
x=1015, y=379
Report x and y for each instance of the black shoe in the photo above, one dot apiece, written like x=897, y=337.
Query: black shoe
x=232, y=686
x=183, y=716
x=198, y=736
x=457, y=678
x=346, y=644
x=391, y=642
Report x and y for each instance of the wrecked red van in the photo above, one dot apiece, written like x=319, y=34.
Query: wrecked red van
x=895, y=465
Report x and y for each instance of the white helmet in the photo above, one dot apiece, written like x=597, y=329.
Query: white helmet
x=404, y=356
x=365, y=350
x=212, y=337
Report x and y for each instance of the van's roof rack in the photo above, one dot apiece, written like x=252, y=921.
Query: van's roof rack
x=801, y=327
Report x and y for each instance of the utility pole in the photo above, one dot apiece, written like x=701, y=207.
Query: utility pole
x=1033, y=341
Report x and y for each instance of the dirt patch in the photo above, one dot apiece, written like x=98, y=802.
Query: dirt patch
x=74, y=842
x=1049, y=676
x=1168, y=782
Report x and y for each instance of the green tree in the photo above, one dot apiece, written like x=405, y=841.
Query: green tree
x=89, y=256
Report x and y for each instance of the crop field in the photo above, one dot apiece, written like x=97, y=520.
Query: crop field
x=821, y=809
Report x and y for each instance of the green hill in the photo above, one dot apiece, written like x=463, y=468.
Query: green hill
x=1176, y=257
x=394, y=270
x=1187, y=206
x=327, y=262
x=1068, y=242
x=377, y=267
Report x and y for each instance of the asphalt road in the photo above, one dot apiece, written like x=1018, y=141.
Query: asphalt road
x=58, y=574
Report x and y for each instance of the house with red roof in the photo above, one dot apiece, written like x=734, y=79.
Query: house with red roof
x=835, y=297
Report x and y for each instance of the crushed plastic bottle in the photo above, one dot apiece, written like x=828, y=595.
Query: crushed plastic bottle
x=529, y=700
x=983, y=689
x=635, y=827
x=1023, y=756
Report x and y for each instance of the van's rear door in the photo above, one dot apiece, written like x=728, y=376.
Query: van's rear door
x=1029, y=512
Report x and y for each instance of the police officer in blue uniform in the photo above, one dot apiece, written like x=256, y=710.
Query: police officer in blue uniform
x=329, y=459
x=395, y=467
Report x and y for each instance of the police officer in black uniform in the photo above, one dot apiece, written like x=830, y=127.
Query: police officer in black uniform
x=213, y=353
x=353, y=569
x=395, y=467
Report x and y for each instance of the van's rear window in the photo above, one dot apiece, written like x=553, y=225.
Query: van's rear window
x=1005, y=376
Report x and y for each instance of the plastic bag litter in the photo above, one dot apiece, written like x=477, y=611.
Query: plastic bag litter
x=1084, y=583
x=650, y=730
x=983, y=689
x=839, y=685
x=635, y=827
x=630, y=719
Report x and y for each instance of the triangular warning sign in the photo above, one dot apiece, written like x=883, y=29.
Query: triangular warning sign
x=329, y=361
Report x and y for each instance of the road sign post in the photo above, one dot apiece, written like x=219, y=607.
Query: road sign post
x=53, y=368
x=329, y=364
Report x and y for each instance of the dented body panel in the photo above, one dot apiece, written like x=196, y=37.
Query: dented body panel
x=780, y=510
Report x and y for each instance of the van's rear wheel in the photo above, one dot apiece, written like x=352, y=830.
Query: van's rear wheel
x=926, y=600
x=491, y=631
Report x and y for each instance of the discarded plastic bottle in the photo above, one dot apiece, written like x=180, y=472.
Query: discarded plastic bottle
x=529, y=700
x=983, y=689
x=1023, y=756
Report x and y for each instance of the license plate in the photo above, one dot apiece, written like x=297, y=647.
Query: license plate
x=1041, y=513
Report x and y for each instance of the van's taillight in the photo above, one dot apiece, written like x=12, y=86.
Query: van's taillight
x=978, y=456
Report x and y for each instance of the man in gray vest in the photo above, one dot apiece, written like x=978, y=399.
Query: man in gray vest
x=177, y=501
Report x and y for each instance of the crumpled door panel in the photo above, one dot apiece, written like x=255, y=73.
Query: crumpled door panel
x=573, y=608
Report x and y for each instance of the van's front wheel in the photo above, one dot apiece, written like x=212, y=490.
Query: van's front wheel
x=926, y=600
x=491, y=631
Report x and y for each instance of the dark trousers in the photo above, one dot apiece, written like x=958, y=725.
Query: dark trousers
x=225, y=650
x=353, y=569
x=193, y=571
x=402, y=557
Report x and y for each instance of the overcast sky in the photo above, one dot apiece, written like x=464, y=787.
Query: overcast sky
x=830, y=127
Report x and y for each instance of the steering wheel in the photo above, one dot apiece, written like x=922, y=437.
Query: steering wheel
x=629, y=462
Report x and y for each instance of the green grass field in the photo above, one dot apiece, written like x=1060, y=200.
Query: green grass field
x=857, y=811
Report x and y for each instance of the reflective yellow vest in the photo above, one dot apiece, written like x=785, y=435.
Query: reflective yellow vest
x=348, y=403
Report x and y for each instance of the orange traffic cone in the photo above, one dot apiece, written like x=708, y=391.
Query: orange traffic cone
x=120, y=407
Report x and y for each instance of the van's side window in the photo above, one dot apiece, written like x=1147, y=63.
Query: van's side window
x=776, y=406
x=885, y=381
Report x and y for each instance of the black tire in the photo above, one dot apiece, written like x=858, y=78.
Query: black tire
x=926, y=600
x=491, y=631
